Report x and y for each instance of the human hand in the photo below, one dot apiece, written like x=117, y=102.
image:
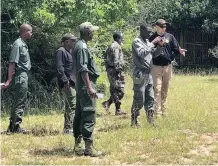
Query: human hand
x=92, y=93
x=161, y=43
x=182, y=51
x=67, y=85
x=6, y=84
x=156, y=40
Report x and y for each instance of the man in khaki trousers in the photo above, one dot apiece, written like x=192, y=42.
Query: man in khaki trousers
x=162, y=66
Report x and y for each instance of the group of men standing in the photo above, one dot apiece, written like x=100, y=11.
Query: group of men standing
x=77, y=75
x=152, y=55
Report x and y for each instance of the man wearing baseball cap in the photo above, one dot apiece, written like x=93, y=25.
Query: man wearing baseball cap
x=66, y=69
x=87, y=74
x=162, y=64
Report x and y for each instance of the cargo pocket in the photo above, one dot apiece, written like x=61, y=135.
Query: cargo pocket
x=138, y=77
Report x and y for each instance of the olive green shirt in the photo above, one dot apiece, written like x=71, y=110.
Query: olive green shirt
x=84, y=63
x=20, y=55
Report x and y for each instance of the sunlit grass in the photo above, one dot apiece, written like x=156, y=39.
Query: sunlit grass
x=188, y=135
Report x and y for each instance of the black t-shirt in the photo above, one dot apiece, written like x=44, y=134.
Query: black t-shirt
x=171, y=48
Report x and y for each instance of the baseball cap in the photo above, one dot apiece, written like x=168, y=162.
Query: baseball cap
x=88, y=25
x=161, y=22
x=67, y=37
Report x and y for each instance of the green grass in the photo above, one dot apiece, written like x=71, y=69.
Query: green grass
x=188, y=135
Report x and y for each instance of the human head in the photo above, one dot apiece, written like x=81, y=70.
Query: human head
x=161, y=25
x=118, y=37
x=145, y=31
x=86, y=30
x=68, y=40
x=25, y=31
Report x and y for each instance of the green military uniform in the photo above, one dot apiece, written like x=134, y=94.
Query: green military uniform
x=85, y=115
x=20, y=56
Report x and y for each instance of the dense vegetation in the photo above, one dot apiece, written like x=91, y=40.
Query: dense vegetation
x=52, y=18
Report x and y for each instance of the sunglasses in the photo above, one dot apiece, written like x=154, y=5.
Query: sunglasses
x=162, y=26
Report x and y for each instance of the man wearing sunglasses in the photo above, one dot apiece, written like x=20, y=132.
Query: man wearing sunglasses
x=162, y=65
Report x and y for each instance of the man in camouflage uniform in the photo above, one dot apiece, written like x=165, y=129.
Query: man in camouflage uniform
x=114, y=66
x=66, y=71
x=87, y=74
x=142, y=51
x=19, y=65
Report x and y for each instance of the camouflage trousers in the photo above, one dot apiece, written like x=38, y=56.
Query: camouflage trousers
x=143, y=95
x=116, y=79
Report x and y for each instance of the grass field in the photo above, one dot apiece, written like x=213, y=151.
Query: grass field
x=188, y=135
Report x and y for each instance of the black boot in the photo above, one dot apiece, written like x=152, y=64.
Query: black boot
x=150, y=117
x=118, y=110
x=106, y=104
x=15, y=128
x=134, y=121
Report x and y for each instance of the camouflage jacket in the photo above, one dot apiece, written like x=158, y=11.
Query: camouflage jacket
x=114, y=56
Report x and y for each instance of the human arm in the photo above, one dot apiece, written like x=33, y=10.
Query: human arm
x=90, y=90
x=117, y=60
x=81, y=63
x=176, y=48
x=60, y=60
x=13, y=60
x=11, y=70
x=143, y=50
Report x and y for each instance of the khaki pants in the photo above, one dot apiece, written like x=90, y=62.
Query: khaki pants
x=161, y=79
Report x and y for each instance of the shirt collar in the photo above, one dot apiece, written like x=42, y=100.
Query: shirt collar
x=146, y=40
x=22, y=40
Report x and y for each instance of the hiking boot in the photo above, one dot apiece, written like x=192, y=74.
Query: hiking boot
x=78, y=147
x=68, y=131
x=105, y=105
x=119, y=112
x=134, y=122
x=91, y=151
x=150, y=117
x=22, y=131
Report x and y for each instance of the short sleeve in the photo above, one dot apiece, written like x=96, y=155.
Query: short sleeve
x=15, y=53
x=82, y=60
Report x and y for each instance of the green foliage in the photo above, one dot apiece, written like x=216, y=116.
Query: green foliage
x=182, y=14
x=52, y=18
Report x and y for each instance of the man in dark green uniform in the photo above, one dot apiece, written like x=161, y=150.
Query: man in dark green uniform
x=19, y=65
x=87, y=74
x=66, y=71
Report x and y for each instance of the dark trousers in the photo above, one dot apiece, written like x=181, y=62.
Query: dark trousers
x=85, y=116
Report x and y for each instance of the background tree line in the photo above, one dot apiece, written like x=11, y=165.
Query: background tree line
x=52, y=18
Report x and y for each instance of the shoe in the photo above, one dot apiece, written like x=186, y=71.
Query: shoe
x=68, y=131
x=105, y=105
x=120, y=112
x=22, y=131
x=78, y=147
x=150, y=117
x=134, y=122
x=91, y=151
